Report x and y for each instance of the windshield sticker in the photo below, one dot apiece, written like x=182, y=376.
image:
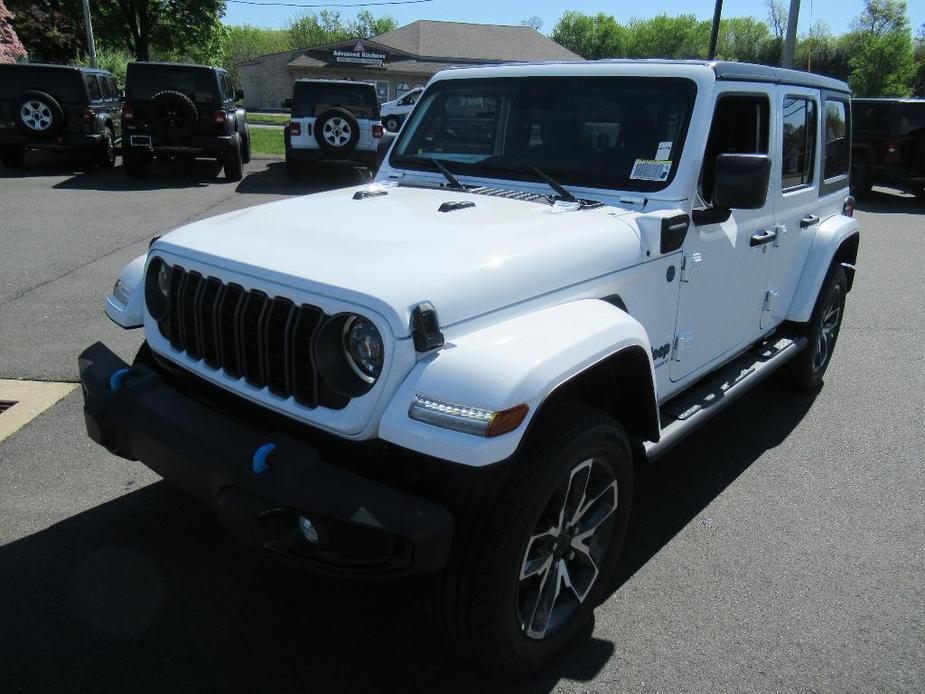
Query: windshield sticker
x=650, y=170
x=663, y=152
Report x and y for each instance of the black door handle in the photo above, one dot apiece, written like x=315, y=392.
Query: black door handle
x=808, y=221
x=763, y=237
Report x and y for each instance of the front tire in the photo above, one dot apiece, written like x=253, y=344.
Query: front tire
x=519, y=590
x=821, y=331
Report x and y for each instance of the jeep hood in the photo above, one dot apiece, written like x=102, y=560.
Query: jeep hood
x=394, y=251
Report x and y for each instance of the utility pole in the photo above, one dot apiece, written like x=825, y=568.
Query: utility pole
x=791, y=40
x=91, y=47
x=714, y=32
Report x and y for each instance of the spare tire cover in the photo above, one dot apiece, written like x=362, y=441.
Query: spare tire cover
x=173, y=116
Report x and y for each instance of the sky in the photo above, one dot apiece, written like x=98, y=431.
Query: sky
x=837, y=13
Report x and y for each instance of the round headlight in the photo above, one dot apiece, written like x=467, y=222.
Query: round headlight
x=157, y=288
x=363, y=348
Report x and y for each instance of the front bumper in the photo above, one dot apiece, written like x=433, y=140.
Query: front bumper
x=366, y=528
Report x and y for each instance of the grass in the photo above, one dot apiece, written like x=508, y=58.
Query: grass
x=268, y=118
x=267, y=141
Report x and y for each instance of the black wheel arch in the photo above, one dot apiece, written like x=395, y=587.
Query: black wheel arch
x=846, y=255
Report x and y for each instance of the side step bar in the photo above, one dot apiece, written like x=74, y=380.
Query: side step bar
x=694, y=407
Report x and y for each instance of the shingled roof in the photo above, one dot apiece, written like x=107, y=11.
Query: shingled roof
x=465, y=42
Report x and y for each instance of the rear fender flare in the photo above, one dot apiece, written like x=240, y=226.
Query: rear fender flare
x=519, y=361
x=836, y=239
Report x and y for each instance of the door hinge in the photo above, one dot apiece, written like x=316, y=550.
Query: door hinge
x=690, y=265
x=682, y=343
x=770, y=300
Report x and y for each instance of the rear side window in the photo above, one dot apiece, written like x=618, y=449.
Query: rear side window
x=837, y=145
x=314, y=99
x=93, y=86
x=66, y=86
x=871, y=118
x=799, y=150
x=144, y=81
x=911, y=118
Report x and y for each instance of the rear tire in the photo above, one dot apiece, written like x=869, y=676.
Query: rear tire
x=105, y=155
x=822, y=330
x=560, y=515
x=12, y=157
x=392, y=124
x=137, y=162
x=232, y=159
x=246, y=143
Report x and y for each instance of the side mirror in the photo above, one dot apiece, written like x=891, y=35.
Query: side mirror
x=238, y=94
x=741, y=181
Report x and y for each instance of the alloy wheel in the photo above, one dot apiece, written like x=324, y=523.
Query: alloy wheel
x=337, y=131
x=828, y=330
x=562, y=558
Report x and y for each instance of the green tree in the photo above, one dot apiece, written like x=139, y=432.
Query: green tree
x=591, y=37
x=317, y=29
x=743, y=39
x=882, y=62
x=162, y=27
x=366, y=25
x=243, y=43
x=918, y=84
x=665, y=36
x=110, y=59
x=535, y=23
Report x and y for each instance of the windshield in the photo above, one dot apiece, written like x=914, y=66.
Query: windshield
x=621, y=133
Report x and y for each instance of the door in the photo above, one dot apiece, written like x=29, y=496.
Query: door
x=725, y=264
x=796, y=196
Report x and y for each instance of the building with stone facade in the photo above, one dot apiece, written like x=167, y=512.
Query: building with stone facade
x=396, y=61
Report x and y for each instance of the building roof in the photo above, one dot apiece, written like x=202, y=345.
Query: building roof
x=464, y=42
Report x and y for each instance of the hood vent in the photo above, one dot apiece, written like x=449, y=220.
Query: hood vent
x=455, y=205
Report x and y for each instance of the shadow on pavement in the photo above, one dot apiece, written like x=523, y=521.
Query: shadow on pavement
x=890, y=200
x=272, y=180
x=146, y=592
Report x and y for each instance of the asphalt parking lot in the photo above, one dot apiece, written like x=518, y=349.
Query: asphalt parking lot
x=781, y=549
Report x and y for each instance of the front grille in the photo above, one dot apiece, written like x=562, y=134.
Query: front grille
x=265, y=340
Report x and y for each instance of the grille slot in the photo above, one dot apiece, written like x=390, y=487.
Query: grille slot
x=266, y=340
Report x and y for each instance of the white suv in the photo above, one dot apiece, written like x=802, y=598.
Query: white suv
x=333, y=121
x=394, y=112
x=561, y=270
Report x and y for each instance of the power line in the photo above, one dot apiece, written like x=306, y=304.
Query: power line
x=328, y=4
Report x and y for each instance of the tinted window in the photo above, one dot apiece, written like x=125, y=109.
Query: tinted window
x=872, y=117
x=313, y=99
x=911, y=117
x=837, y=145
x=93, y=85
x=740, y=126
x=113, y=87
x=799, y=151
x=106, y=88
x=611, y=132
x=65, y=85
x=144, y=81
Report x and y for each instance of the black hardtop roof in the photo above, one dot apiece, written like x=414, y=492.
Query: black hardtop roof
x=892, y=100
x=76, y=68
x=169, y=64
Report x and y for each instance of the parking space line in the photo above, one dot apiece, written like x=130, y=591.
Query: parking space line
x=31, y=399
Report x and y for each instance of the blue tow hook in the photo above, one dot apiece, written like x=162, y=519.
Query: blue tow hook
x=259, y=463
x=115, y=381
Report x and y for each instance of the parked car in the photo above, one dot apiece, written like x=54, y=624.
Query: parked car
x=186, y=111
x=394, y=112
x=333, y=121
x=889, y=144
x=59, y=108
x=454, y=370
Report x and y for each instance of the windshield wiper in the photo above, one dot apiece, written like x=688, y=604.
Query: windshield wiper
x=555, y=185
x=454, y=182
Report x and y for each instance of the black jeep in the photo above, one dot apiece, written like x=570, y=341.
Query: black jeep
x=183, y=110
x=59, y=108
x=889, y=144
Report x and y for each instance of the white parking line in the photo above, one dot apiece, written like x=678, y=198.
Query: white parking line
x=31, y=398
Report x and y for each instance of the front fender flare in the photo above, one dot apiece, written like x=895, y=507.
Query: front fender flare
x=521, y=360
x=130, y=313
x=830, y=240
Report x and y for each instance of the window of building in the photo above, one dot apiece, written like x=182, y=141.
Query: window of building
x=799, y=150
x=837, y=153
x=740, y=126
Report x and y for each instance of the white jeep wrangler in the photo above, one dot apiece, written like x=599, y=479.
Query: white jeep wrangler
x=561, y=270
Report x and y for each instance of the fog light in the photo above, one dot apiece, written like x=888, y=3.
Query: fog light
x=308, y=530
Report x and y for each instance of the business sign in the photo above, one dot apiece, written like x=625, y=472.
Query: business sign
x=358, y=56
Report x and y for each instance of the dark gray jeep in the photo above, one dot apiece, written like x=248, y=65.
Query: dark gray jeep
x=60, y=108
x=185, y=111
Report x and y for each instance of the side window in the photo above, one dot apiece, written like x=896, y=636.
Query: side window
x=837, y=152
x=740, y=126
x=799, y=143
x=114, y=87
x=93, y=84
x=106, y=88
